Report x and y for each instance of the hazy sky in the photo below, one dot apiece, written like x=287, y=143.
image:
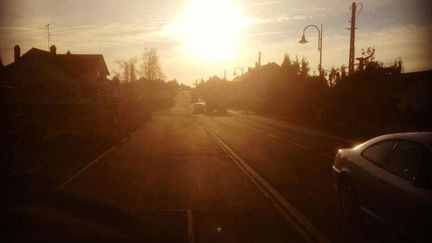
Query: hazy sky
x=202, y=38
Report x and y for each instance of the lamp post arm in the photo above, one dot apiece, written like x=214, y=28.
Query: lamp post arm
x=303, y=40
x=319, y=34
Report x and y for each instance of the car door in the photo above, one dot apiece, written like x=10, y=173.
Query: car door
x=402, y=203
x=372, y=159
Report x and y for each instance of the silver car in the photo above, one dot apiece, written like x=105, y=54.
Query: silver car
x=390, y=179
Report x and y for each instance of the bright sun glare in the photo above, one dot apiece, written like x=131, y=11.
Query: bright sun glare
x=211, y=29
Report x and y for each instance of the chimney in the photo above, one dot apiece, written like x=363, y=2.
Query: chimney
x=53, y=50
x=17, y=52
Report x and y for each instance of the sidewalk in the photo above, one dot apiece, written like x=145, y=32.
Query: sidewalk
x=43, y=165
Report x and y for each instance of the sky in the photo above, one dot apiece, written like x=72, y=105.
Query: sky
x=198, y=39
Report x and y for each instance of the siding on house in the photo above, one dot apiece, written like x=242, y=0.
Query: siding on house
x=61, y=93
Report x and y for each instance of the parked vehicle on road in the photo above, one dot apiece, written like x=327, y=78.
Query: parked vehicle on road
x=198, y=108
x=389, y=178
x=216, y=107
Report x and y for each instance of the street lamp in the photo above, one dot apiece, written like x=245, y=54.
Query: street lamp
x=304, y=41
x=235, y=69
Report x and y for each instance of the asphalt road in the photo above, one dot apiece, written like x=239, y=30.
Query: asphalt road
x=283, y=191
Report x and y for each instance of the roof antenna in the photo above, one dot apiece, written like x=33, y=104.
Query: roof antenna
x=48, y=35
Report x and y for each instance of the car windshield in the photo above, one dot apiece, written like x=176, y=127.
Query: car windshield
x=208, y=120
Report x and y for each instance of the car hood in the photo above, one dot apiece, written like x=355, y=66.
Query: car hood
x=61, y=217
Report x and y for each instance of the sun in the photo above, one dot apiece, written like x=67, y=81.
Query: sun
x=211, y=30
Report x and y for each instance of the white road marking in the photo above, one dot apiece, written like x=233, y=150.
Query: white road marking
x=283, y=124
x=268, y=134
x=191, y=234
x=274, y=136
x=251, y=128
x=304, y=227
x=365, y=210
x=64, y=184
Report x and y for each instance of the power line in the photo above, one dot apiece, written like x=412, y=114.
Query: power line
x=48, y=34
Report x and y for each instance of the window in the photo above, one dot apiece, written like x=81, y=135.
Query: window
x=408, y=160
x=378, y=152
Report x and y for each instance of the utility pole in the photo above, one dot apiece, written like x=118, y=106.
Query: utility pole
x=48, y=35
x=352, y=36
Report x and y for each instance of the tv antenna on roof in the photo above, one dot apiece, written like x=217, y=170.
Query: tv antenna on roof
x=48, y=34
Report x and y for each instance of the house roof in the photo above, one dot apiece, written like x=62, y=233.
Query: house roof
x=76, y=63
x=72, y=64
x=265, y=70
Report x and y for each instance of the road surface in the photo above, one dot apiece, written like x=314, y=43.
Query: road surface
x=239, y=178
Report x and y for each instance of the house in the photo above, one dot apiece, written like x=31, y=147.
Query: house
x=157, y=93
x=60, y=93
x=250, y=88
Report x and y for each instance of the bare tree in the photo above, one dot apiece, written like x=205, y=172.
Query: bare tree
x=343, y=72
x=132, y=72
x=127, y=70
x=332, y=77
x=150, y=68
x=368, y=57
x=290, y=67
x=123, y=74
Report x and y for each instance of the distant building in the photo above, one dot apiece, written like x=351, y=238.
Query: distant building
x=252, y=87
x=259, y=72
x=157, y=93
x=59, y=92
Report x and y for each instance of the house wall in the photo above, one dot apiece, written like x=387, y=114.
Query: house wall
x=54, y=103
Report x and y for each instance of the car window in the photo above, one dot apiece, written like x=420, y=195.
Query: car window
x=378, y=152
x=408, y=160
